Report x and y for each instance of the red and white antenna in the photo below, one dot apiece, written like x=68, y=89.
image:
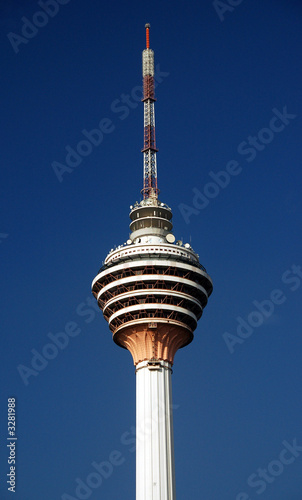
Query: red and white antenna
x=149, y=150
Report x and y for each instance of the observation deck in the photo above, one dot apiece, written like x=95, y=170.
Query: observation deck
x=152, y=292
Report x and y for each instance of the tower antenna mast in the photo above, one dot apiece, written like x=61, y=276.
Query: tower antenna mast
x=150, y=189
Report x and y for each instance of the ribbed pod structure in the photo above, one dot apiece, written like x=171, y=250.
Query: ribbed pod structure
x=152, y=292
x=152, y=295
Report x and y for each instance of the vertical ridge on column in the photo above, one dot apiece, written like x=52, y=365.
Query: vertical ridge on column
x=154, y=438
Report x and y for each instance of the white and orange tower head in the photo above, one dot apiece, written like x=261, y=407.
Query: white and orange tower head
x=152, y=292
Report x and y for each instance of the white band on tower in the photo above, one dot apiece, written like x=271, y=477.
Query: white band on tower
x=148, y=62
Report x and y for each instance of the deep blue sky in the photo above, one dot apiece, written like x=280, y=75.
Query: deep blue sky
x=223, y=79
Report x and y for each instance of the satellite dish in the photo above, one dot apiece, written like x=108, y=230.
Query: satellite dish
x=187, y=245
x=129, y=242
x=179, y=242
x=170, y=238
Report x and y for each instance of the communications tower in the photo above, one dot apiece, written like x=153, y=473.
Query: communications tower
x=152, y=292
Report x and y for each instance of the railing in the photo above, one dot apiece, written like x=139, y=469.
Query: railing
x=158, y=256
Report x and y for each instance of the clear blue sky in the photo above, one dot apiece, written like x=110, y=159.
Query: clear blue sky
x=229, y=101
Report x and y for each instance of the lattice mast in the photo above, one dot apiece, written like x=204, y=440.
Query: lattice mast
x=149, y=150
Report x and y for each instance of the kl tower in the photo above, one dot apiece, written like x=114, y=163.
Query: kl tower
x=152, y=292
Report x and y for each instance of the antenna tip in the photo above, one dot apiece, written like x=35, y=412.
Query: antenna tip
x=147, y=26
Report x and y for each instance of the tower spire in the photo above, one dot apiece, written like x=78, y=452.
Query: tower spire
x=149, y=150
x=147, y=26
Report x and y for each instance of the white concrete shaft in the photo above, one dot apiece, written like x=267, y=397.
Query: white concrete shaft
x=155, y=474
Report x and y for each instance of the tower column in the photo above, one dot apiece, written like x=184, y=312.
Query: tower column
x=155, y=474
